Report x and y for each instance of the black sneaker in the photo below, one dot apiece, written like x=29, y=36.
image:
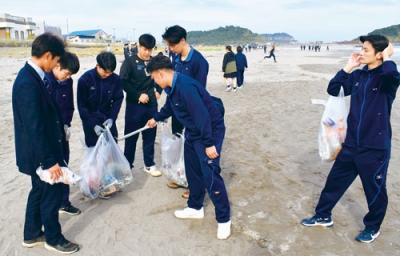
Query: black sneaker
x=317, y=221
x=71, y=210
x=65, y=248
x=34, y=242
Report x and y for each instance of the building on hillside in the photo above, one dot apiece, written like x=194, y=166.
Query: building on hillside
x=16, y=28
x=43, y=28
x=279, y=38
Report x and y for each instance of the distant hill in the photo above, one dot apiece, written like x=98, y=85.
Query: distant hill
x=229, y=35
x=279, y=38
x=392, y=33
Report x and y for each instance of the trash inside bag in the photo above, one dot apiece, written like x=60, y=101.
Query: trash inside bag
x=68, y=176
x=104, y=169
x=172, y=148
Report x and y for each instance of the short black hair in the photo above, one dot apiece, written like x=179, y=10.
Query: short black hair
x=174, y=34
x=379, y=42
x=107, y=60
x=48, y=42
x=228, y=47
x=159, y=62
x=239, y=49
x=69, y=61
x=147, y=41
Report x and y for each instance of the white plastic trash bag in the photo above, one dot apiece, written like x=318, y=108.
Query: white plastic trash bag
x=104, y=169
x=68, y=176
x=333, y=126
x=173, y=164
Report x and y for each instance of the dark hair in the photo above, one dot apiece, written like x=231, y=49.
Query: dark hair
x=107, y=61
x=239, y=49
x=147, y=41
x=229, y=48
x=69, y=61
x=159, y=62
x=379, y=42
x=174, y=34
x=48, y=42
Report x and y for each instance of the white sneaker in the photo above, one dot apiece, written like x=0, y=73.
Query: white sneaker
x=190, y=213
x=224, y=230
x=152, y=170
x=228, y=88
x=234, y=89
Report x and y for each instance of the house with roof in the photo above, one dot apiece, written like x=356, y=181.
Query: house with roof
x=16, y=28
x=87, y=36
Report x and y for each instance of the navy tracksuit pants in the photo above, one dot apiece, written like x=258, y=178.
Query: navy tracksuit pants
x=136, y=117
x=371, y=165
x=240, y=77
x=203, y=174
x=44, y=201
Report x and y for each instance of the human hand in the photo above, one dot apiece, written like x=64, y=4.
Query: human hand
x=157, y=95
x=98, y=130
x=354, y=61
x=211, y=152
x=144, y=98
x=108, y=123
x=55, y=172
x=387, y=52
x=67, y=132
x=151, y=123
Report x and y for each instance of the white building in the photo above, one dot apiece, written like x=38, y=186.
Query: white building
x=16, y=28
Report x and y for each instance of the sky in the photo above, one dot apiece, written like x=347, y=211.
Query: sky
x=306, y=21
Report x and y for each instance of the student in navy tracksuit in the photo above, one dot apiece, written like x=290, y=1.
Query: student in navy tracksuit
x=187, y=61
x=241, y=65
x=40, y=141
x=61, y=88
x=366, y=150
x=205, y=130
x=141, y=103
x=99, y=98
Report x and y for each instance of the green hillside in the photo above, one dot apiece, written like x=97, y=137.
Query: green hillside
x=229, y=35
x=392, y=32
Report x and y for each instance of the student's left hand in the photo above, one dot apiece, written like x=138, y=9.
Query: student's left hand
x=211, y=152
x=157, y=95
x=151, y=123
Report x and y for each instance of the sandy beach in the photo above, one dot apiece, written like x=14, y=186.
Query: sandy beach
x=270, y=164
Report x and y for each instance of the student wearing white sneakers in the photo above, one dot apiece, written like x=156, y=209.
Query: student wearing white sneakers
x=202, y=116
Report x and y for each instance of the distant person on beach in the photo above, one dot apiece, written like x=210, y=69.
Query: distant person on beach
x=109, y=48
x=99, y=98
x=40, y=142
x=271, y=53
x=61, y=87
x=205, y=130
x=187, y=61
x=241, y=66
x=126, y=51
x=229, y=69
x=366, y=149
x=141, y=103
x=134, y=49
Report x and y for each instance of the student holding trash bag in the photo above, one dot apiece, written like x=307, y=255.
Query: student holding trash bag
x=194, y=107
x=40, y=142
x=366, y=149
x=99, y=98
x=62, y=91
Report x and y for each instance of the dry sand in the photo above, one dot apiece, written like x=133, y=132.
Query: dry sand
x=270, y=164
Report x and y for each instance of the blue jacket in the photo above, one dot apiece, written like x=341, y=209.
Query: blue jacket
x=241, y=61
x=372, y=94
x=39, y=132
x=64, y=95
x=195, y=66
x=98, y=99
x=194, y=107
